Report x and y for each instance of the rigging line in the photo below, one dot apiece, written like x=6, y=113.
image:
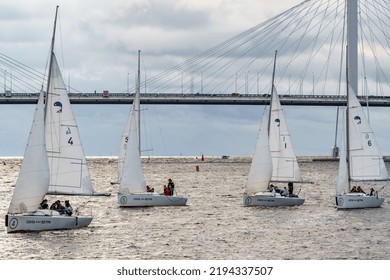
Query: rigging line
x=301, y=38
x=383, y=18
x=272, y=31
x=15, y=77
x=331, y=44
x=31, y=81
x=325, y=39
x=315, y=41
x=27, y=68
x=375, y=56
x=224, y=44
x=61, y=39
x=363, y=58
x=225, y=53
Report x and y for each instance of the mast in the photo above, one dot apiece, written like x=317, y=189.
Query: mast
x=272, y=92
x=51, y=51
x=138, y=93
x=351, y=68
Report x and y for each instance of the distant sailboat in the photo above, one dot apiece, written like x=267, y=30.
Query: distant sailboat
x=360, y=157
x=274, y=160
x=36, y=175
x=132, y=185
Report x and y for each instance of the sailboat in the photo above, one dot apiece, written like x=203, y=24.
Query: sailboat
x=273, y=160
x=132, y=185
x=360, y=157
x=44, y=165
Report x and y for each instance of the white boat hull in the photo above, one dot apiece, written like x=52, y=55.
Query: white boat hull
x=269, y=199
x=45, y=220
x=150, y=199
x=358, y=200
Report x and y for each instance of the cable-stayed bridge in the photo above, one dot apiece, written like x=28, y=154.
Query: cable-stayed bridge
x=310, y=40
x=200, y=99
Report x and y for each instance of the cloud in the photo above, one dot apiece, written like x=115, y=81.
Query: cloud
x=97, y=44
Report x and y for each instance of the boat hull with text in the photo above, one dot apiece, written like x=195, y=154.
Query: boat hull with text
x=150, y=199
x=358, y=200
x=44, y=220
x=270, y=199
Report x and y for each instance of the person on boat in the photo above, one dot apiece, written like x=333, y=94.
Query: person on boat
x=290, y=189
x=171, y=186
x=149, y=189
x=54, y=205
x=285, y=192
x=44, y=204
x=274, y=189
x=360, y=190
x=68, y=208
x=60, y=207
x=166, y=191
x=372, y=192
x=354, y=189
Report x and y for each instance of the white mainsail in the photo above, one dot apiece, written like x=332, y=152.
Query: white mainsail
x=123, y=145
x=260, y=172
x=33, y=180
x=365, y=159
x=69, y=173
x=284, y=161
x=132, y=178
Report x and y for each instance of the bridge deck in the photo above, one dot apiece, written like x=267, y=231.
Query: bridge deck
x=199, y=99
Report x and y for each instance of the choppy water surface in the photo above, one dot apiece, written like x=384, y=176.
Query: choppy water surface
x=214, y=224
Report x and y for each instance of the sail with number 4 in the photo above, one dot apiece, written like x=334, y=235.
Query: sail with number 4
x=69, y=172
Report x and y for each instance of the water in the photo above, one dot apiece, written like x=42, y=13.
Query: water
x=214, y=225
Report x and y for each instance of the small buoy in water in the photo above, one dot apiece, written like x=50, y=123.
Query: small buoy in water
x=197, y=168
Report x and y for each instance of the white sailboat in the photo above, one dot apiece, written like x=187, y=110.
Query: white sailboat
x=273, y=161
x=69, y=174
x=132, y=185
x=360, y=157
x=36, y=175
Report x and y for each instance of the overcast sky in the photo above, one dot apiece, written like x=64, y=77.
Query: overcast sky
x=96, y=45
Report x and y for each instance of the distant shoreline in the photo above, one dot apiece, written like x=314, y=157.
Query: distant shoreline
x=206, y=158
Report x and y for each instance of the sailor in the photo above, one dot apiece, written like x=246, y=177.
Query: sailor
x=360, y=190
x=166, y=191
x=54, y=205
x=44, y=204
x=290, y=188
x=285, y=192
x=68, y=208
x=171, y=186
